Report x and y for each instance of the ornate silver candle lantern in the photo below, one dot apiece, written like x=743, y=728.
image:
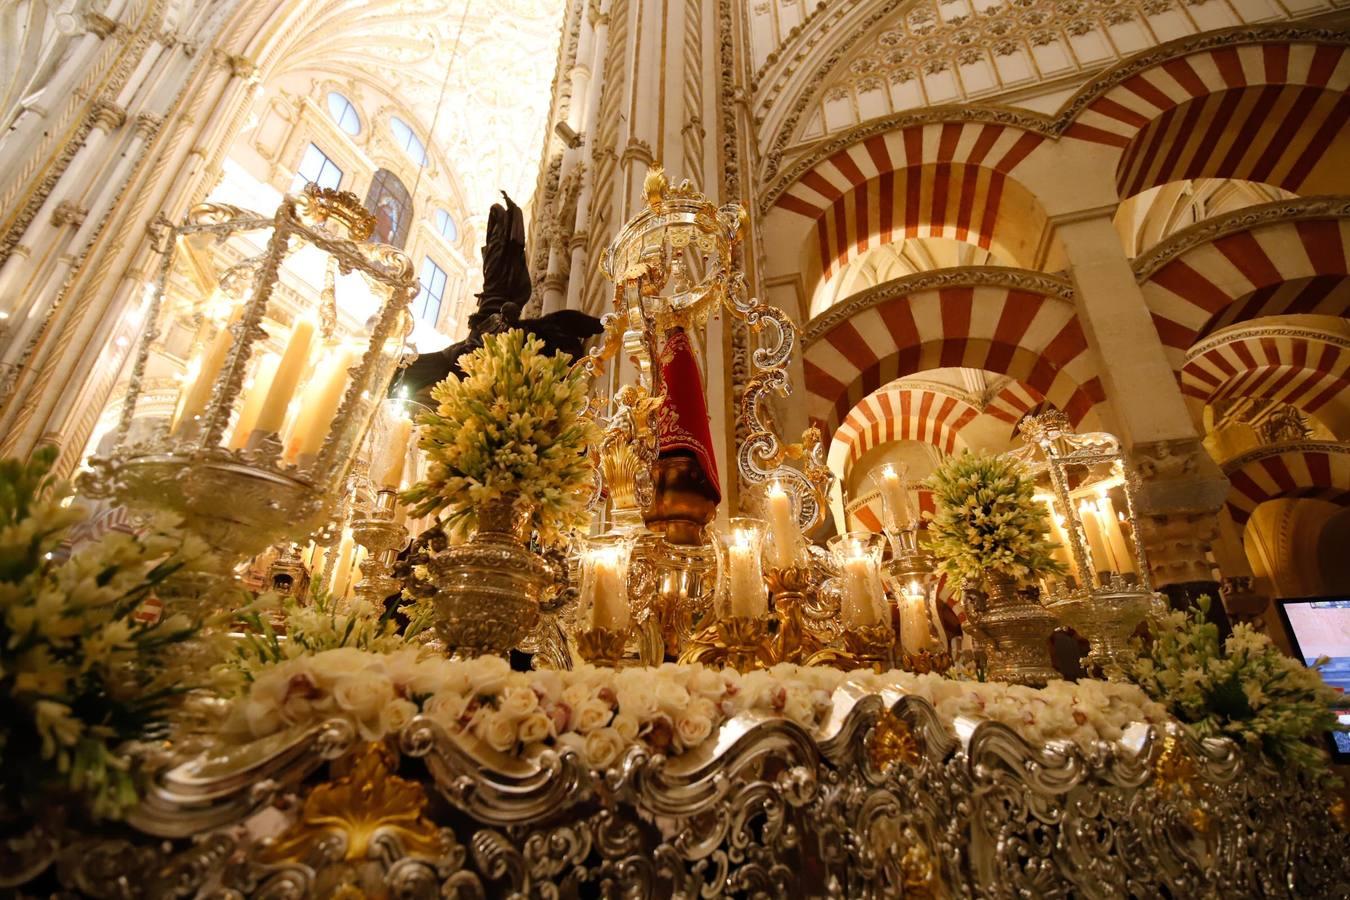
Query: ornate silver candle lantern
x=275, y=391
x=1090, y=490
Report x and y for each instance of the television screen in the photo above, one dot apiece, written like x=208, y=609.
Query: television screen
x=1317, y=627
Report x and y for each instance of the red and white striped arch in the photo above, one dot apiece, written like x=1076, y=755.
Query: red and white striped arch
x=864, y=514
x=1319, y=470
x=1308, y=370
x=902, y=414
x=1271, y=269
x=1033, y=337
x=937, y=180
x=1274, y=112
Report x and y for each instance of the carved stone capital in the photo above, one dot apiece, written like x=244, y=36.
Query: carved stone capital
x=638, y=150
x=1242, y=601
x=1178, y=476
x=147, y=125
x=68, y=213
x=107, y=116
x=100, y=25
x=1177, y=545
x=239, y=66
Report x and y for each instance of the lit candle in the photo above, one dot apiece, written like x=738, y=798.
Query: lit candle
x=1058, y=535
x=748, y=595
x=293, y=364
x=915, y=631
x=253, y=400
x=354, y=572
x=395, y=454
x=863, y=597
x=342, y=569
x=211, y=362
x=1115, y=536
x=782, y=527
x=896, y=495
x=319, y=405
x=602, y=587
x=1101, y=560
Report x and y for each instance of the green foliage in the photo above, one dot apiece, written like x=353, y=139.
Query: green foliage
x=1245, y=689
x=988, y=520
x=515, y=424
x=82, y=679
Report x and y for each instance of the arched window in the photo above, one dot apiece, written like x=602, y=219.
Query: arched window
x=391, y=205
x=427, y=306
x=445, y=225
x=344, y=113
x=407, y=139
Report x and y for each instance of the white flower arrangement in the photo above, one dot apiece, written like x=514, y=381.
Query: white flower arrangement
x=84, y=677
x=1245, y=689
x=672, y=709
x=515, y=424
x=988, y=520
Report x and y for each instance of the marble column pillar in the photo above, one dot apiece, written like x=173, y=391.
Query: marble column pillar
x=1183, y=488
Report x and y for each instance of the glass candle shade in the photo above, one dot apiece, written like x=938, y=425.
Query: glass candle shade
x=915, y=607
x=741, y=589
x=897, y=507
x=858, y=557
x=260, y=392
x=785, y=545
x=604, y=583
x=390, y=453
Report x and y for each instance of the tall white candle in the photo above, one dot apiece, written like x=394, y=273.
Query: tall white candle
x=1115, y=536
x=212, y=360
x=1101, y=559
x=342, y=568
x=1058, y=535
x=863, y=599
x=395, y=456
x=603, y=588
x=293, y=364
x=253, y=400
x=746, y=581
x=915, y=631
x=783, y=532
x=896, y=494
x=319, y=405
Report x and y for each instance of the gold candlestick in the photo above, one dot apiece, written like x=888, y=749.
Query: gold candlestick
x=789, y=588
x=602, y=647
x=864, y=647
x=383, y=537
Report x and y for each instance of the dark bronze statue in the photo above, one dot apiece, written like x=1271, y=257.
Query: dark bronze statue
x=506, y=290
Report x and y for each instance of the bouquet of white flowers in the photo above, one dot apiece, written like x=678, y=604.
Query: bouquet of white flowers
x=85, y=672
x=514, y=425
x=1246, y=690
x=988, y=520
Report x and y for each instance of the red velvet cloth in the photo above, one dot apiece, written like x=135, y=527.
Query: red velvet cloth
x=683, y=419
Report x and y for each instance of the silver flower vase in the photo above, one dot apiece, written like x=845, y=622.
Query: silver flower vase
x=1015, y=631
x=488, y=588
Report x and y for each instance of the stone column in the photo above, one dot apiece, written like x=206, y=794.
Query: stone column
x=1183, y=488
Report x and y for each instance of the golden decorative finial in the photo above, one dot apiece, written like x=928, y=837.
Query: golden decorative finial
x=654, y=185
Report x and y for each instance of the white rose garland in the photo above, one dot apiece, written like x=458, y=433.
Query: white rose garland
x=671, y=709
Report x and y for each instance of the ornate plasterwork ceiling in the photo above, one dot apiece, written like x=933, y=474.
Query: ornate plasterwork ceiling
x=853, y=61
x=496, y=101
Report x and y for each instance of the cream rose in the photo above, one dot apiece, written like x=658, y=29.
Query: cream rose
x=590, y=715
x=638, y=700
x=487, y=675
x=602, y=747
x=692, y=729
x=498, y=731
x=363, y=695
x=446, y=708
x=535, y=727
x=626, y=725
x=576, y=694
x=397, y=714
x=671, y=697
x=518, y=701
